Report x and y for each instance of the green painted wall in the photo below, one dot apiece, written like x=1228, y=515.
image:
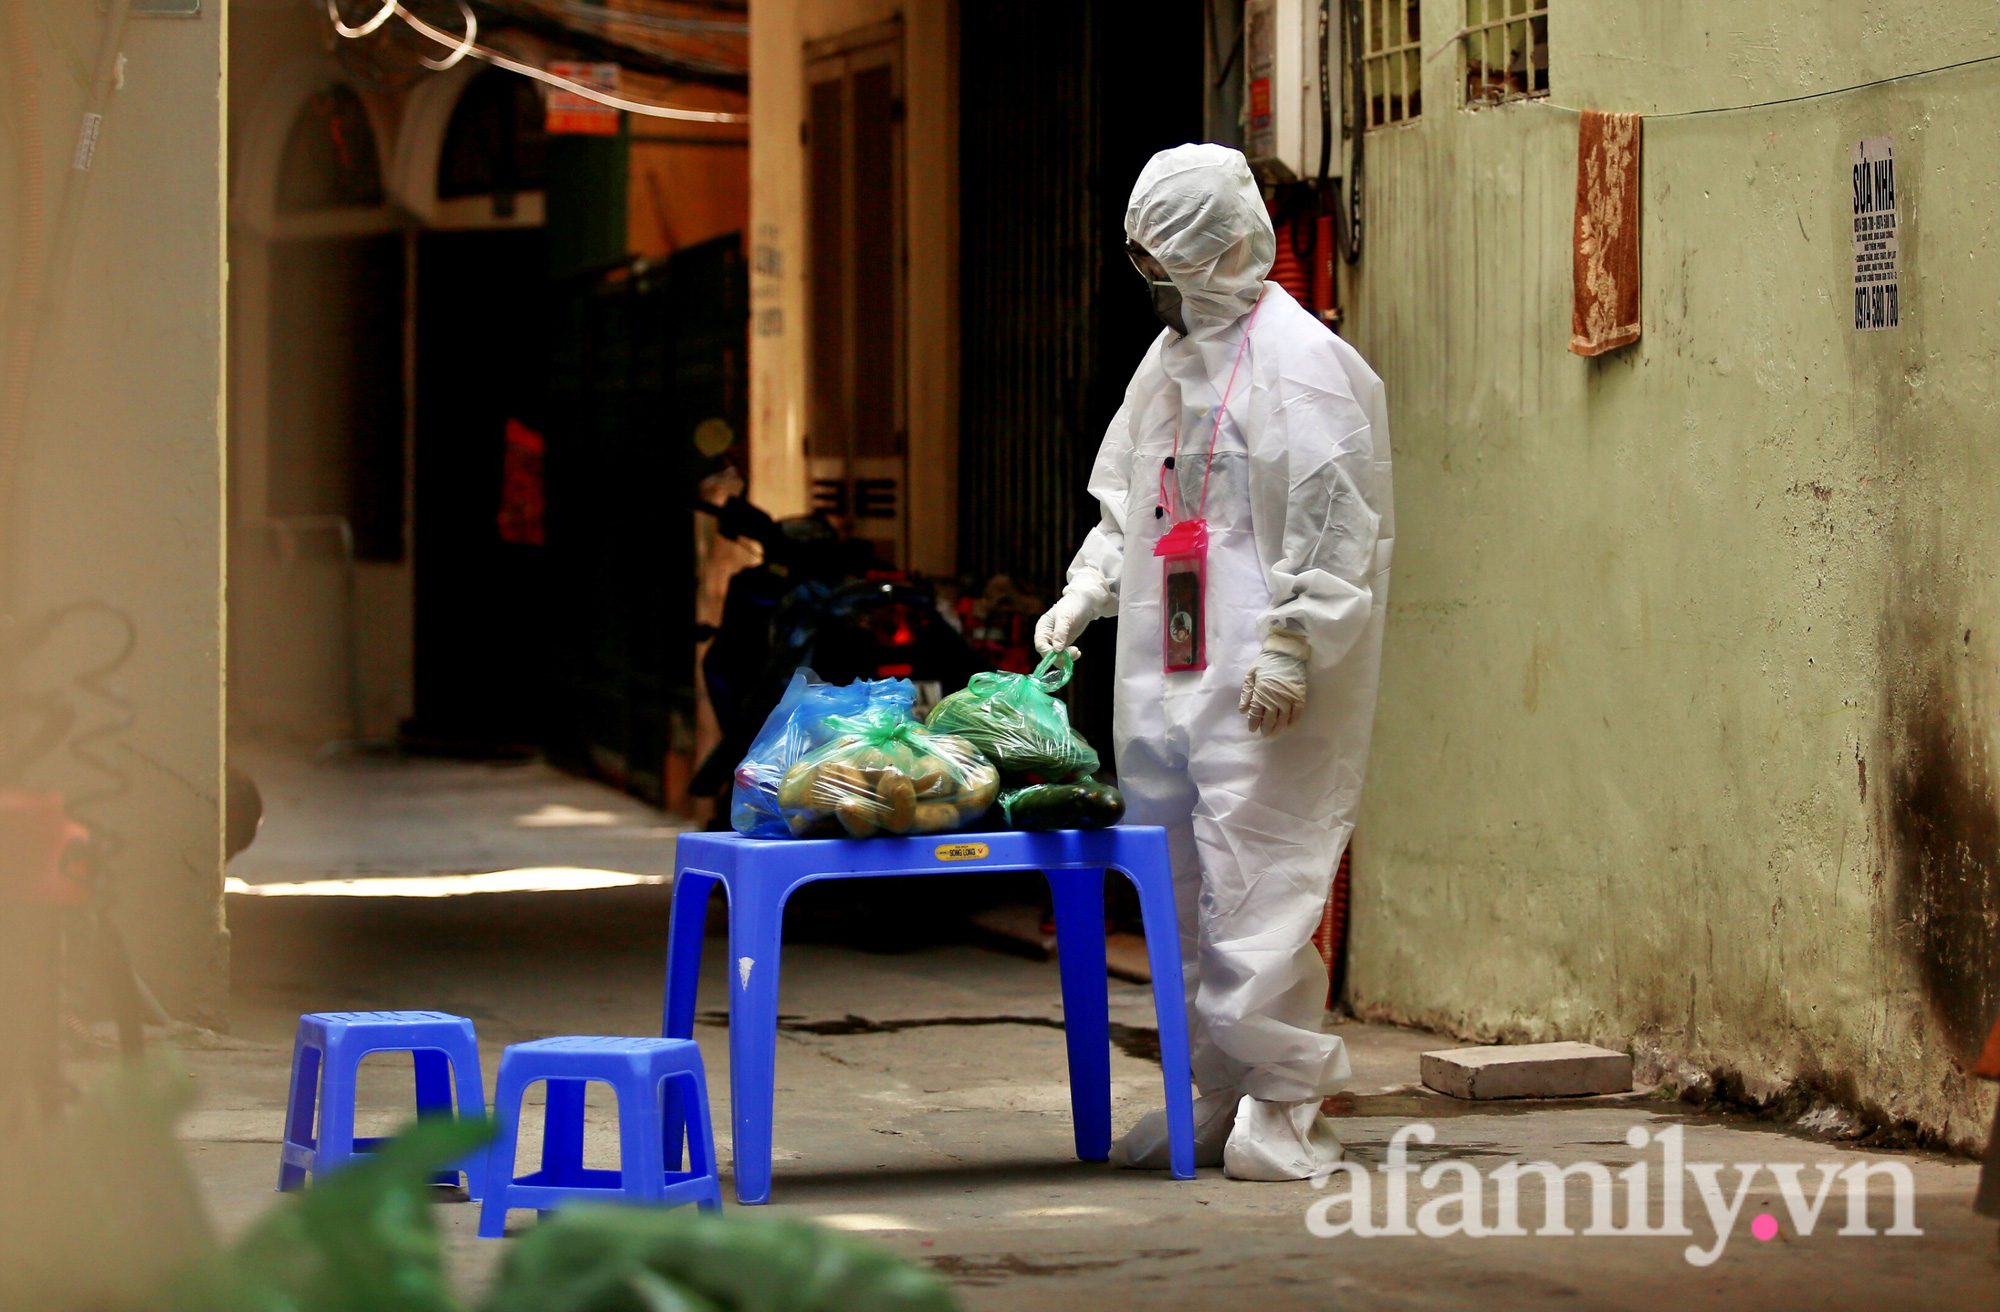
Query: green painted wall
x=1687, y=716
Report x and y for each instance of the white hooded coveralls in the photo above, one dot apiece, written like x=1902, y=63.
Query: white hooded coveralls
x=1300, y=531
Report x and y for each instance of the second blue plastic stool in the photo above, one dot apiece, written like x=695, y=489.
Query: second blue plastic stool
x=660, y=1087
x=325, y=1057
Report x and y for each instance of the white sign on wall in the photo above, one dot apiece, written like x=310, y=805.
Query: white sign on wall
x=1876, y=290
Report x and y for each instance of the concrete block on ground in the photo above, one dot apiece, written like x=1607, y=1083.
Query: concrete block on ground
x=1528, y=1070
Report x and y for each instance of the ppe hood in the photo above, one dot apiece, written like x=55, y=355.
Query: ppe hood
x=1198, y=211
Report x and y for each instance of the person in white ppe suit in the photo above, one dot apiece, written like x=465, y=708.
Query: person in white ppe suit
x=1244, y=697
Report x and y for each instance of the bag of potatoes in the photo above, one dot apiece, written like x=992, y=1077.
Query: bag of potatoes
x=886, y=774
x=804, y=721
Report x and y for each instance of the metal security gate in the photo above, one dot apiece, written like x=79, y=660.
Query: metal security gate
x=480, y=635
x=1060, y=105
x=1030, y=244
x=639, y=359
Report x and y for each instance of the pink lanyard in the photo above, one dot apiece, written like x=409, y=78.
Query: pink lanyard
x=1173, y=461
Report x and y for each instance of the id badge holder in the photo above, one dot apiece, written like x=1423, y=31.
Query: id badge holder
x=1183, y=595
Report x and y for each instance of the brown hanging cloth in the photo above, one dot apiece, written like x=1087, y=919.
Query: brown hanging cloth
x=1605, y=311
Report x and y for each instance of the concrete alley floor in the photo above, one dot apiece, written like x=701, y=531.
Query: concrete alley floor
x=923, y=1100
x=355, y=814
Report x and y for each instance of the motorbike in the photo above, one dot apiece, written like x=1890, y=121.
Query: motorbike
x=818, y=600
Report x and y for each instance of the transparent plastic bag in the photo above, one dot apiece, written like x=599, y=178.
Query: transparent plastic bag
x=1017, y=722
x=803, y=722
x=886, y=774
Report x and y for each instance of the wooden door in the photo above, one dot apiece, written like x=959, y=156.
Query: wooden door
x=856, y=440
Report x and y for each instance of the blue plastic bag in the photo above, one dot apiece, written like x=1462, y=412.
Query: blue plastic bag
x=800, y=725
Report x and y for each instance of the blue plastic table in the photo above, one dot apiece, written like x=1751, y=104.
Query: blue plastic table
x=758, y=875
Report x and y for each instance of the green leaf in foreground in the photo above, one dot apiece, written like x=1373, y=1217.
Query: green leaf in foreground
x=364, y=1238
x=635, y=1259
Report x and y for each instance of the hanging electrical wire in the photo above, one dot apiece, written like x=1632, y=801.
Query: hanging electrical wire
x=34, y=724
x=30, y=268
x=465, y=44
x=1325, y=226
x=597, y=13
x=1325, y=92
x=1350, y=216
x=114, y=715
x=43, y=263
x=79, y=939
x=663, y=39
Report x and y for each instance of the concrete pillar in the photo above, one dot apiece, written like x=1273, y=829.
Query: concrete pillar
x=117, y=523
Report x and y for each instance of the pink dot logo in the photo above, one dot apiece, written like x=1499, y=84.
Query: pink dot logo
x=1765, y=1227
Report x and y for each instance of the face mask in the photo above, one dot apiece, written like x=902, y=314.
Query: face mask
x=1166, y=296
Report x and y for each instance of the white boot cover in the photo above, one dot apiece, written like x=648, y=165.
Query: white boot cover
x=1279, y=1141
x=1145, y=1148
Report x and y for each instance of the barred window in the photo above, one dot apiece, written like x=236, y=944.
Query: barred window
x=1506, y=50
x=1391, y=66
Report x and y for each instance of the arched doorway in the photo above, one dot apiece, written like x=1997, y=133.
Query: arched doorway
x=413, y=328
x=385, y=326
x=319, y=573
x=481, y=333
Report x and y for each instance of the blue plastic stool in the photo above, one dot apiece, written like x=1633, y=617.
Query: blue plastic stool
x=758, y=874
x=325, y=1056
x=660, y=1085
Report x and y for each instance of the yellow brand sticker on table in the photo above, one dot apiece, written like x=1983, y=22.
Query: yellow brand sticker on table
x=963, y=851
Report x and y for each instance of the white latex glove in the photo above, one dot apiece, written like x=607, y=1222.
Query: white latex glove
x=1078, y=606
x=1275, y=691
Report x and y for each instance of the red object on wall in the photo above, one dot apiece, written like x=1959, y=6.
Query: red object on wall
x=1988, y=1064
x=40, y=850
x=999, y=623
x=1322, y=300
x=1288, y=271
x=1331, y=937
x=522, y=496
x=567, y=112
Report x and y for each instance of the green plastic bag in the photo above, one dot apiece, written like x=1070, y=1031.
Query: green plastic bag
x=1017, y=722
